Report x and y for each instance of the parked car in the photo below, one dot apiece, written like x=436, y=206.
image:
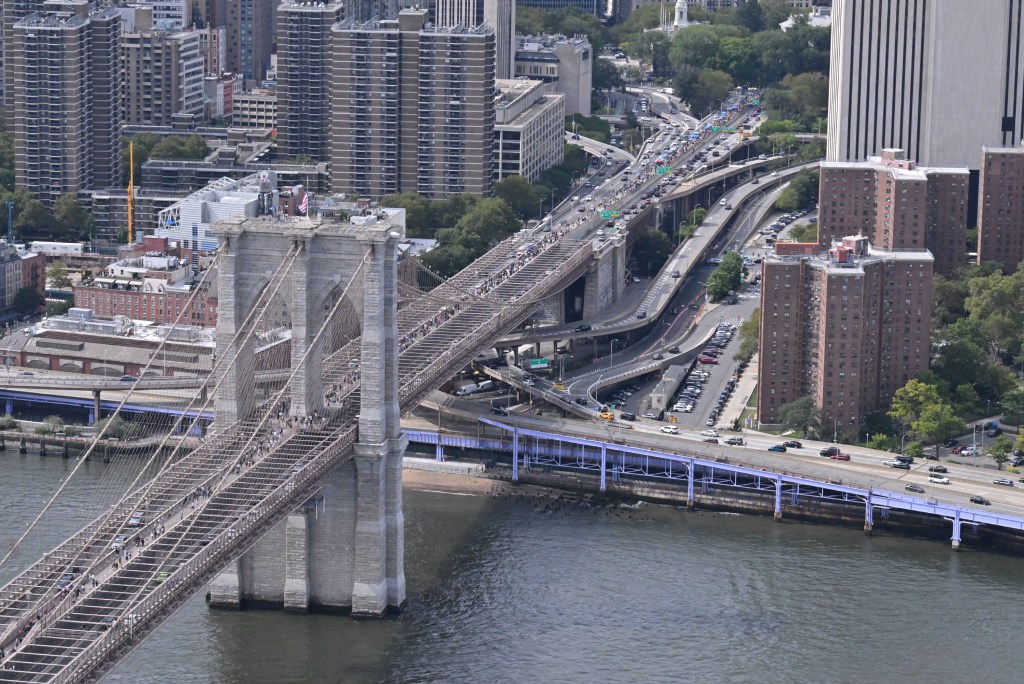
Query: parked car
x=950, y=443
x=778, y=448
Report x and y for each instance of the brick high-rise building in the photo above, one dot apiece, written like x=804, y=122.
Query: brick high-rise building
x=847, y=328
x=67, y=94
x=249, y=27
x=303, y=77
x=412, y=108
x=1001, y=207
x=897, y=205
x=164, y=73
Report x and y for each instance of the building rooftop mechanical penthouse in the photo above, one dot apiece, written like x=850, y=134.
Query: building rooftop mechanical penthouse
x=848, y=327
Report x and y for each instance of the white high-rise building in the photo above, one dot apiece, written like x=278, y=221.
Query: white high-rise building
x=498, y=14
x=937, y=79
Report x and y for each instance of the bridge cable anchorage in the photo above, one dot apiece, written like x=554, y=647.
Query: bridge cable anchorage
x=82, y=549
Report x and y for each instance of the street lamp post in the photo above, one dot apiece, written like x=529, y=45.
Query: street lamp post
x=904, y=437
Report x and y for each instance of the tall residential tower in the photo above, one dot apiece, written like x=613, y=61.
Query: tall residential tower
x=937, y=79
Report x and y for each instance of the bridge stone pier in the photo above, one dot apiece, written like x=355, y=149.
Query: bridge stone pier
x=606, y=277
x=343, y=551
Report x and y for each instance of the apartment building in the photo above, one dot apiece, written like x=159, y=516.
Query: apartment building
x=847, y=327
x=19, y=269
x=1001, y=207
x=498, y=14
x=529, y=129
x=412, y=108
x=566, y=64
x=303, y=64
x=66, y=95
x=897, y=205
x=256, y=109
x=249, y=32
x=164, y=72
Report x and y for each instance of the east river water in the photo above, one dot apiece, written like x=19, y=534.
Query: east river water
x=523, y=588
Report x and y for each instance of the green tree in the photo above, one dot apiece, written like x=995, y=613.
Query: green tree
x=58, y=308
x=34, y=220
x=1012, y=406
x=801, y=414
x=967, y=397
x=751, y=16
x=1018, y=443
x=726, y=277
x=142, y=145
x=485, y=223
x=910, y=401
x=800, y=192
x=421, y=216
x=651, y=249
x=750, y=332
x=518, y=194
x=57, y=276
x=1000, y=450
x=711, y=87
x=914, y=449
x=606, y=76
x=937, y=422
x=882, y=442
x=178, y=147
x=71, y=219
x=804, y=232
x=27, y=300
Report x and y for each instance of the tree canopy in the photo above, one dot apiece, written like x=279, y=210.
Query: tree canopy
x=801, y=414
x=728, y=276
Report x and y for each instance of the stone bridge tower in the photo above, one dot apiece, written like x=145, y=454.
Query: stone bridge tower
x=343, y=551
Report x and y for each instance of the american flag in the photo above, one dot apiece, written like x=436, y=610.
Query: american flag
x=304, y=204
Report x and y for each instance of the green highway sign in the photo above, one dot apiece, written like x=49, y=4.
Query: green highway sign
x=539, y=363
x=616, y=214
x=606, y=214
x=755, y=102
x=664, y=169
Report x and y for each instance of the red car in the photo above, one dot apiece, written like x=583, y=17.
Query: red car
x=958, y=449
x=840, y=457
x=707, y=359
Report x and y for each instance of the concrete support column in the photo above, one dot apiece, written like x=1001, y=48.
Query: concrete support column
x=95, y=406
x=691, y=475
x=956, y=531
x=394, y=522
x=604, y=466
x=869, y=515
x=235, y=397
x=226, y=588
x=296, y=564
x=306, y=386
x=778, y=499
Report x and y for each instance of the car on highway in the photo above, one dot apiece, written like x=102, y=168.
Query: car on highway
x=709, y=433
x=529, y=382
x=917, y=489
x=676, y=274
x=670, y=429
x=499, y=410
x=735, y=441
x=1005, y=481
x=938, y=479
x=711, y=440
x=980, y=500
x=840, y=457
x=893, y=463
x=778, y=448
x=673, y=350
x=585, y=327
x=828, y=451
x=938, y=469
x=658, y=356
x=606, y=415
x=793, y=444
x=559, y=386
x=581, y=401
x=651, y=415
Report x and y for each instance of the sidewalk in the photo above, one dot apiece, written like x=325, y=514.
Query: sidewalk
x=737, y=403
